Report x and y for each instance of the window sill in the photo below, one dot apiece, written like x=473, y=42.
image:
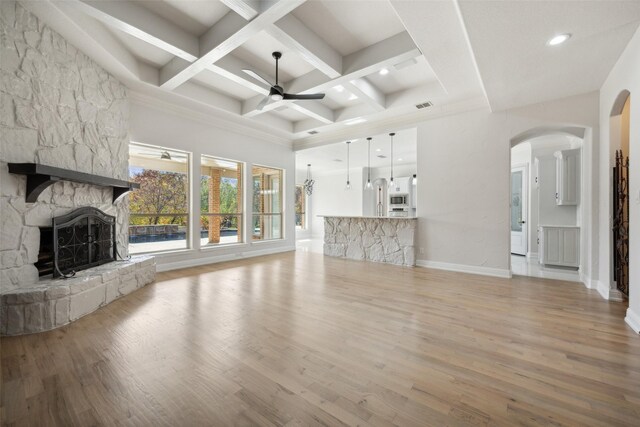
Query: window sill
x=167, y=252
x=261, y=242
x=227, y=245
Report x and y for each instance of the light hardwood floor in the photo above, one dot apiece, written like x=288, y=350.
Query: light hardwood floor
x=300, y=339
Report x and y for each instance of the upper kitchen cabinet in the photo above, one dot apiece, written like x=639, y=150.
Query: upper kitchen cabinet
x=567, y=177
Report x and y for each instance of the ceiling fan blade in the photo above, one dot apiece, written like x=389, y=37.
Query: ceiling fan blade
x=303, y=96
x=264, y=102
x=257, y=76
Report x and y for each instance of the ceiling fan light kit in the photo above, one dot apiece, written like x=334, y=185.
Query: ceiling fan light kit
x=276, y=92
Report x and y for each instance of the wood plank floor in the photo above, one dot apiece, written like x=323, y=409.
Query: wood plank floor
x=300, y=339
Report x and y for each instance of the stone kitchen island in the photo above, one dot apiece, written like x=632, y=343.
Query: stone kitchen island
x=379, y=239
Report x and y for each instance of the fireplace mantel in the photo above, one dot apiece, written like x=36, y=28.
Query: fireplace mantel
x=39, y=177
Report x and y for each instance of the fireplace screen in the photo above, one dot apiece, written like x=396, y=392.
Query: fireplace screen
x=79, y=240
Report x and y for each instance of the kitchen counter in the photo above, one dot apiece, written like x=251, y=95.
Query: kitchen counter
x=368, y=217
x=378, y=239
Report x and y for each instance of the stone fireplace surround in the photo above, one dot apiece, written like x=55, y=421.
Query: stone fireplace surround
x=57, y=108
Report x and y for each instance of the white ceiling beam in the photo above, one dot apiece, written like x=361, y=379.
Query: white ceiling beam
x=139, y=22
x=231, y=67
x=314, y=110
x=208, y=97
x=368, y=93
x=385, y=53
x=225, y=36
x=248, y=9
x=83, y=33
x=292, y=32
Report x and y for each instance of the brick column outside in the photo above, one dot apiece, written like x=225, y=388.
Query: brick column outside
x=214, y=205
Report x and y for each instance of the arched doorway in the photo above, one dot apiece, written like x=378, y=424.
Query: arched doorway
x=550, y=142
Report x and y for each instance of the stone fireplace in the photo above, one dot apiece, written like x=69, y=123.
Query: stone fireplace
x=60, y=109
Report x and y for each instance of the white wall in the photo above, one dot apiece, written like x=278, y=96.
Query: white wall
x=625, y=75
x=166, y=126
x=463, y=186
x=331, y=198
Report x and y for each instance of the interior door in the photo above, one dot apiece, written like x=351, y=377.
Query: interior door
x=518, y=210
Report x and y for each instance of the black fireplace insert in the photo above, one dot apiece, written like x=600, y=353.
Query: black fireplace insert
x=79, y=240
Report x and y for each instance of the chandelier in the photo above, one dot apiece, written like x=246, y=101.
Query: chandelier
x=308, y=183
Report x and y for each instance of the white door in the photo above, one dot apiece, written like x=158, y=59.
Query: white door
x=519, y=210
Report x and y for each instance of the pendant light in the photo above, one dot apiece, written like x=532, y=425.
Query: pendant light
x=348, y=186
x=392, y=134
x=308, y=183
x=415, y=179
x=368, y=186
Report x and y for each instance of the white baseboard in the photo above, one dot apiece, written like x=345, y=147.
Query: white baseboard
x=587, y=282
x=603, y=289
x=168, y=266
x=532, y=256
x=463, y=268
x=606, y=292
x=633, y=320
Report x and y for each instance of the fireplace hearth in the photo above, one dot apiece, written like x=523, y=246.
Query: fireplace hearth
x=76, y=241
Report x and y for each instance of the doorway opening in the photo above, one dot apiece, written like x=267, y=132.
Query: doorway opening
x=546, y=206
x=620, y=123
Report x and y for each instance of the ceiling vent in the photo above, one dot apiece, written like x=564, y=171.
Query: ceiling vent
x=424, y=105
x=337, y=160
x=313, y=132
x=381, y=156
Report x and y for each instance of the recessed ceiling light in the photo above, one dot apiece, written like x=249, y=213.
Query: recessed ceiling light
x=355, y=121
x=384, y=72
x=339, y=88
x=378, y=149
x=559, y=39
x=352, y=97
x=399, y=160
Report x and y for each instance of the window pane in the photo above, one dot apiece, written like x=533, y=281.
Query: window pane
x=221, y=199
x=267, y=203
x=159, y=209
x=267, y=227
x=220, y=229
x=300, y=206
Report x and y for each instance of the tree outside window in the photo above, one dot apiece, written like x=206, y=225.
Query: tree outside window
x=220, y=201
x=159, y=209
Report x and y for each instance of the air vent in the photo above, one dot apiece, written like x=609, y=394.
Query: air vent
x=381, y=156
x=337, y=160
x=424, y=105
x=313, y=132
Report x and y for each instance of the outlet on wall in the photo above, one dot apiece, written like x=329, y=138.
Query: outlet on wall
x=421, y=251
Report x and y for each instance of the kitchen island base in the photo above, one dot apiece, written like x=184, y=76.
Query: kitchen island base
x=378, y=239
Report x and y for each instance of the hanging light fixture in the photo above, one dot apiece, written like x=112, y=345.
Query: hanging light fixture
x=348, y=186
x=308, y=183
x=391, y=180
x=415, y=179
x=368, y=186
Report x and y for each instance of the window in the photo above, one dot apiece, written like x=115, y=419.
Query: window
x=267, y=203
x=301, y=201
x=220, y=201
x=159, y=209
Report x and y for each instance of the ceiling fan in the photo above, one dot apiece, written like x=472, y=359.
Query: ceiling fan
x=277, y=93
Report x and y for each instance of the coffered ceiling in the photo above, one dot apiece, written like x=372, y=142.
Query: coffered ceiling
x=457, y=54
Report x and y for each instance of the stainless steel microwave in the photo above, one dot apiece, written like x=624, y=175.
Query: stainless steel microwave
x=399, y=200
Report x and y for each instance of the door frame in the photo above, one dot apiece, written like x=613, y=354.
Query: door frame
x=525, y=203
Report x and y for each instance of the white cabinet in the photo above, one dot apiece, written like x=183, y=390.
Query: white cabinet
x=559, y=245
x=567, y=177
